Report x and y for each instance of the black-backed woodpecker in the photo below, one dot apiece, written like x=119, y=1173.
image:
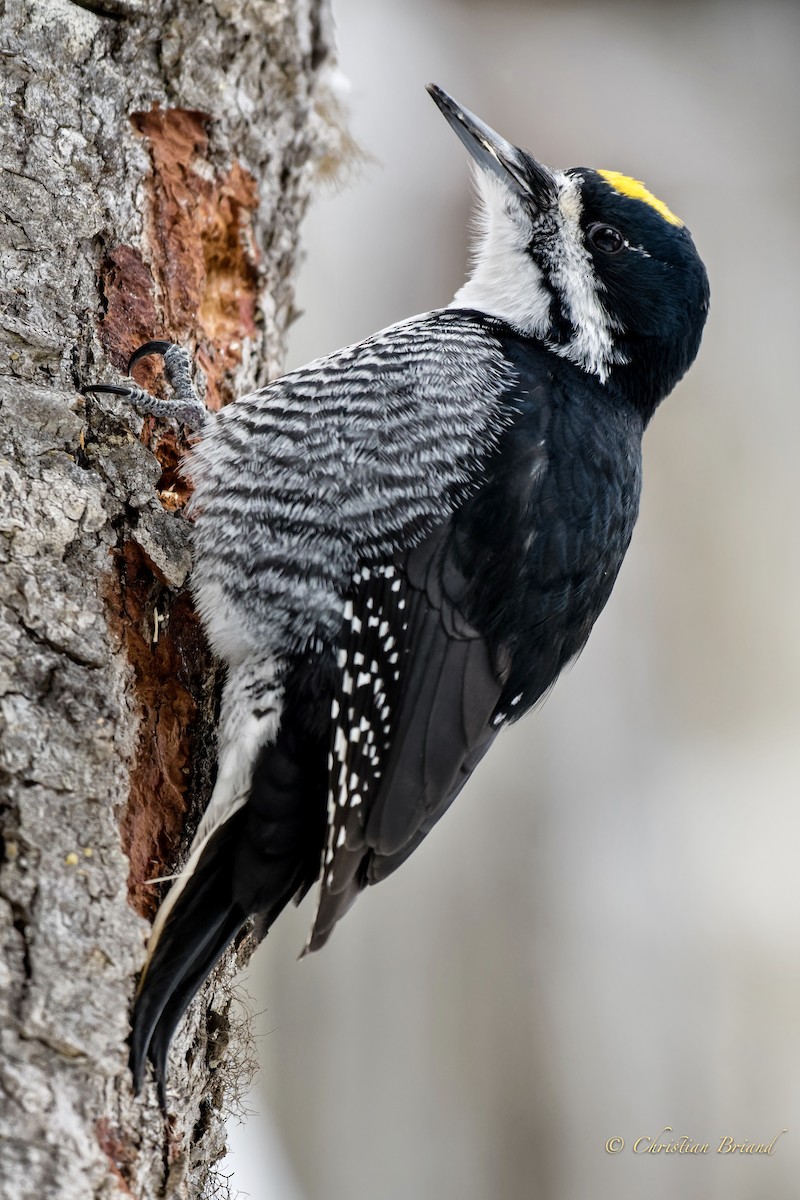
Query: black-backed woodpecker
x=400, y=546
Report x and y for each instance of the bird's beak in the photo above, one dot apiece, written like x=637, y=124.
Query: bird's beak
x=515, y=168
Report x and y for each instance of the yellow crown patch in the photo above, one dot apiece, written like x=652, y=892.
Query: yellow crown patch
x=637, y=191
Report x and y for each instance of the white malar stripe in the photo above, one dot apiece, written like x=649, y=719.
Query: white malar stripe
x=572, y=273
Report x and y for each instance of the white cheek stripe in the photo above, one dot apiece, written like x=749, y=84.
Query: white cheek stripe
x=572, y=272
x=507, y=283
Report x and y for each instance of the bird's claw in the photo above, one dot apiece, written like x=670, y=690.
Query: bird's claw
x=186, y=407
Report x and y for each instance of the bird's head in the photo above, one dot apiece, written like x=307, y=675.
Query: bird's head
x=588, y=262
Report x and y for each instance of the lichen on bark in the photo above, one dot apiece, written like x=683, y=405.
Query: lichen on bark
x=157, y=160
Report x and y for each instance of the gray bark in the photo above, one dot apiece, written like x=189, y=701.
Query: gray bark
x=158, y=157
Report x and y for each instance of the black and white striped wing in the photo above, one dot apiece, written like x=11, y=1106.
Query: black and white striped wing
x=346, y=460
x=411, y=718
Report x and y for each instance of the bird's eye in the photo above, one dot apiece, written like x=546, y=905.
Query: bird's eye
x=605, y=238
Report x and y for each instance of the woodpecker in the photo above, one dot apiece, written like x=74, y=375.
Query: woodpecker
x=398, y=548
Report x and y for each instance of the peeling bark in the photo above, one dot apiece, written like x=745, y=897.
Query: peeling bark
x=157, y=161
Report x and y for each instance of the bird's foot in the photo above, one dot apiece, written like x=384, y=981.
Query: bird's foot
x=186, y=406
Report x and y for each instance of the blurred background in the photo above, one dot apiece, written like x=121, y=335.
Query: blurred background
x=602, y=938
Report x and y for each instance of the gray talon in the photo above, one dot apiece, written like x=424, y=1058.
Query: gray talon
x=187, y=408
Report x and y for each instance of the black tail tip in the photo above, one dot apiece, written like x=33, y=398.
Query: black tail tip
x=156, y=1053
x=137, y=1061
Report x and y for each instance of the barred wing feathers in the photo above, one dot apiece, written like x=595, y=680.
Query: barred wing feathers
x=345, y=461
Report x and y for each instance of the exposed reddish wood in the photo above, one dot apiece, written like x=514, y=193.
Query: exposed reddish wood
x=118, y=1151
x=168, y=669
x=129, y=303
x=196, y=283
x=204, y=257
x=174, y=489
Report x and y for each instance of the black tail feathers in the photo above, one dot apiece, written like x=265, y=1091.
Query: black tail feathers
x=268, y=851
x=198, y=930
x=235, y=877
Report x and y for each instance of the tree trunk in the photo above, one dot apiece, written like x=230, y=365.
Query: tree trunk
x=158, y=157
